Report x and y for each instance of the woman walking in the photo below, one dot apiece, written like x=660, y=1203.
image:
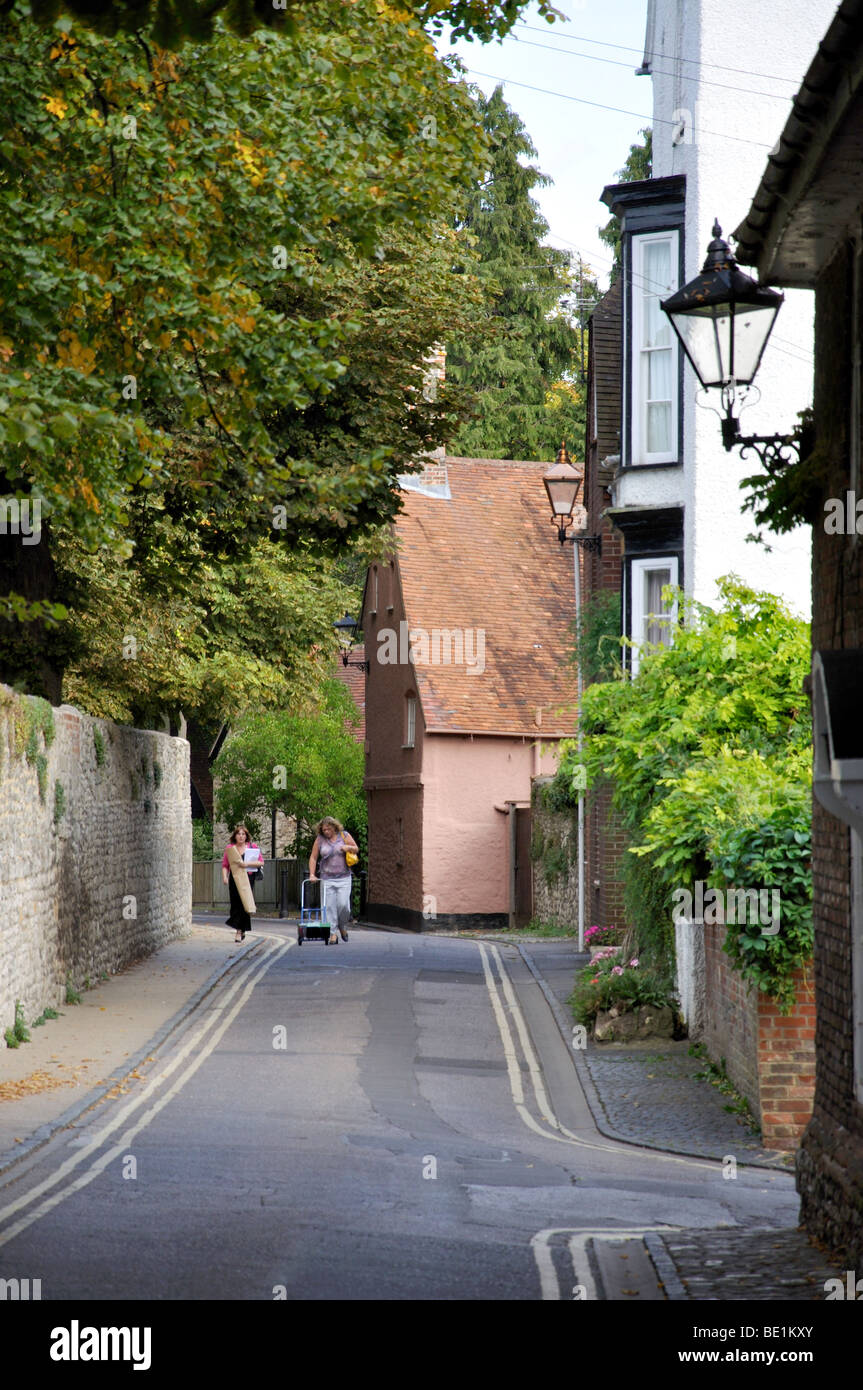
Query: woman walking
x=240, y=864
x=330, y=847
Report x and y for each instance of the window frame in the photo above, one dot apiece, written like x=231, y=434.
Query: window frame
x=639, y=455
x=410, y=721
x=638, y=569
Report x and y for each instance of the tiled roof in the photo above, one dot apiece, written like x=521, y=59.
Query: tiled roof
x=486, y=565
x=354, y=677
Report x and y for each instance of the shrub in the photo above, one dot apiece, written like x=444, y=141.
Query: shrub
x=706, y=748
x=603, y=936
x=776, y=852
x=605, y=982
x=202, y=839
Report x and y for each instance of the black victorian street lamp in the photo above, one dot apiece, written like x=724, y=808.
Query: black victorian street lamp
x=562, y=483
x=347, y=630
x=723, y=319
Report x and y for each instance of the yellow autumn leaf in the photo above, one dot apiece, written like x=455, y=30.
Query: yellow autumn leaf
x=246, y=323
x=165, y=339
x=73, y=353
x=56, y=106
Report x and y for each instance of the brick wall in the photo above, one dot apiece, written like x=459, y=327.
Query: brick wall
x=98, y=873
x=769, y=1057
x=605, y=846
x=730, y=1017
x=830, y=1161
x=786, y=1064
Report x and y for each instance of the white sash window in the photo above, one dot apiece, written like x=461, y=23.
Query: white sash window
x=654, y=350
x=653, y=620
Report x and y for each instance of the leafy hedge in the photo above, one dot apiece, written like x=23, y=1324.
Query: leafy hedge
x=708, y=752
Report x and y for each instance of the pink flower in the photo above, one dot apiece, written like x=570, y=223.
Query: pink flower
x=634, y=962
x=617, y=970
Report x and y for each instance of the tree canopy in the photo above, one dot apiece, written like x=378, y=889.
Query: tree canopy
x=637, y=165
x=304, y=762
x=170, y=22
x=527, y=366
x=219, y=284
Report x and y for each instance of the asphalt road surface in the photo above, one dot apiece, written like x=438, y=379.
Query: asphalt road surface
x=393, y=1118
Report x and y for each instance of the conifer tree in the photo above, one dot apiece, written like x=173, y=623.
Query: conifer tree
x=526, y=369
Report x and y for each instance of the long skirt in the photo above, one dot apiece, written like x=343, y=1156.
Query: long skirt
x=239, y=918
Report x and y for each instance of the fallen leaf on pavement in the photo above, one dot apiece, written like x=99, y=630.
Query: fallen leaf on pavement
x=31, y=1085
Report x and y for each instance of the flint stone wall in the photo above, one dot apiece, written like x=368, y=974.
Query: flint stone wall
x=554, y=852
x=99, y=875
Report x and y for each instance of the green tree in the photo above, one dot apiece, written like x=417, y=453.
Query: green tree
x=525, y=369
x=182, y=232
x=170, y=22
x=638, y=165
x=254, y=630
x=226, y=610
x=305, y=763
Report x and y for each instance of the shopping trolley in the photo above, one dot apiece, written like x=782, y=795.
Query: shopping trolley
x=313, y=924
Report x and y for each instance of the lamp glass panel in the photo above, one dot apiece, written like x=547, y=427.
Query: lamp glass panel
x=706, y=335
x=752, y=325
x=562, y=493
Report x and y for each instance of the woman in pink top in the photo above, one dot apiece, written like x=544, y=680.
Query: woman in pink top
x=239, y=918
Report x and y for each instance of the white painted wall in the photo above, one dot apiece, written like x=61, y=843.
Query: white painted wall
x=728, y=137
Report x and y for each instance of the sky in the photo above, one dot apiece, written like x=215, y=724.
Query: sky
x=591, y=57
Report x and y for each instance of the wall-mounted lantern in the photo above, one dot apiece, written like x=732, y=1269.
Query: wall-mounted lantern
x=723, y=319
x=347, y=630
x=562, y=483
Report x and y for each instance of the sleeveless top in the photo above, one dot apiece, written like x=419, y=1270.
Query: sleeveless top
x=331, y=857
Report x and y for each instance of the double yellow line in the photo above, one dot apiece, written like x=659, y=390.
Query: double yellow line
x=217, y=1023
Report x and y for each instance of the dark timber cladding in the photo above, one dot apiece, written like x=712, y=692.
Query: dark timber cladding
x=605, y=841
x=646, y=205
x=804, y=228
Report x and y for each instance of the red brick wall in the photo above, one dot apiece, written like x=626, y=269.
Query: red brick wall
x=786, y=1064
x=393, y=777
x=605, y=845
x=769, y=1057
x=730, y=1017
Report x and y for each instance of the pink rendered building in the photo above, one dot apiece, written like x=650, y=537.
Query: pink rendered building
x=467, y=630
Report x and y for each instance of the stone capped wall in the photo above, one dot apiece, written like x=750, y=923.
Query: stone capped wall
x=96, y=862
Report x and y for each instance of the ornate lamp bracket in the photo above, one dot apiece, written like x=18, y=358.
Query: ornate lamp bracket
x=776, y=451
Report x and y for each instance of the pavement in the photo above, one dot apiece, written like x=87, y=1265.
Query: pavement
x=640, y=1095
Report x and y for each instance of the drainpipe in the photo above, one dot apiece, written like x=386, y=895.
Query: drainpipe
x=512, y=849
x=579, y=689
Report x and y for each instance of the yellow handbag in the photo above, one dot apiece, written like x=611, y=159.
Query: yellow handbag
x=351, y=859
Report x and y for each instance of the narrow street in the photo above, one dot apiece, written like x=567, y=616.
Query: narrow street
x=395, y=1118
